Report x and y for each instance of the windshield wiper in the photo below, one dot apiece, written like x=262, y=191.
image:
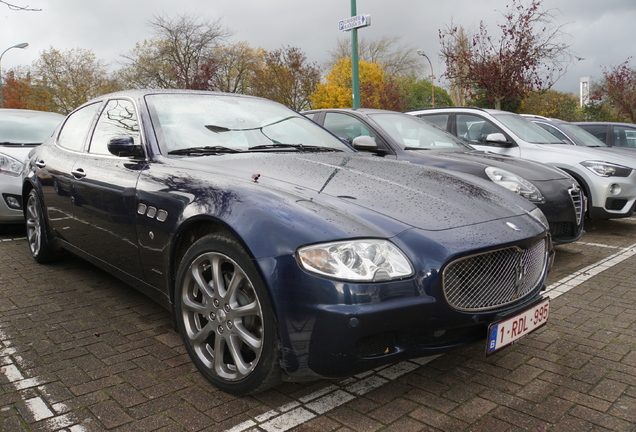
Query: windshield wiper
x=299, y=147
x=18, y=144
x=204, y=150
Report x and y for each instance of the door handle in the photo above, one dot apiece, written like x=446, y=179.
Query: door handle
x=40, y=164
x=78, y=173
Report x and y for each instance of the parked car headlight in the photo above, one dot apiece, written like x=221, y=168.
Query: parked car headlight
x=10, y=165
x=370, y=260
x=538, y=215
x=606, y=169
x=515, y=183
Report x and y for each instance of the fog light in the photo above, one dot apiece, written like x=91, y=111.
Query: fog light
x=615, y=189
x=13, y=202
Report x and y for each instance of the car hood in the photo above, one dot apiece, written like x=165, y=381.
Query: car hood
x=416, y=195
x=473, y=161
x=567, y=153
x=18, y=152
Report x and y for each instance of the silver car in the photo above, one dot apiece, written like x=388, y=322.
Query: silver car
x=608, y=178
x=20, y=131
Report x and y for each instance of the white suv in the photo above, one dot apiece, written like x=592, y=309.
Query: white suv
x=609, y=180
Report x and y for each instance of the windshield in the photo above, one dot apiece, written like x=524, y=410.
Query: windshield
x=526, y=130
x=412, y=133
x=184, y=121
x=27, y=128
x=582, y=135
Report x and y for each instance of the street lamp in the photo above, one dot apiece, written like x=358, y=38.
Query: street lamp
x=420, y=52
x=21, y=46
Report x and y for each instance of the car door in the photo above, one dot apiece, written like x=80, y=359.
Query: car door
x=482, y=134
x=349, y=127
x=55, y=165
x=623, y=136
x=105, y=191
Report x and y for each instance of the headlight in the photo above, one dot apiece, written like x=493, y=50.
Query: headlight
x=538, y=215
x=606, y=169
x=515, y=183
x=368, y=260
x=10, y=165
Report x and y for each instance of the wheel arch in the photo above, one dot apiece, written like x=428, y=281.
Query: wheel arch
x=193, y=230
x=582, y=183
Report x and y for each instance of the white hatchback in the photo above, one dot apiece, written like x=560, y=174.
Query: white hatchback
x=20, y=131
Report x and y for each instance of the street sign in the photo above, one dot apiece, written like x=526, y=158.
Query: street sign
x=354, y=22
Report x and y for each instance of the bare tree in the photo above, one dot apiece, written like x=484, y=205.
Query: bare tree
x=71, y=78
x=397, y=60
x=16, y=7
x=527, y=57
x=287, y=77
x=180, y=56
x=237, y=63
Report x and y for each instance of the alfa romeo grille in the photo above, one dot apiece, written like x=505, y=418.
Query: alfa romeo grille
x=577, y=199
x=492, y=279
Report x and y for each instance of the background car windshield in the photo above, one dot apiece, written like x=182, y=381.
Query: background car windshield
x=185, y=121
x=23, y=129
x=526, y=130
x=585, y=137
x=412, y=133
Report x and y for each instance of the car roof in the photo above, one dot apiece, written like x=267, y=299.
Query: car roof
x=486, y=110
x=605, y=123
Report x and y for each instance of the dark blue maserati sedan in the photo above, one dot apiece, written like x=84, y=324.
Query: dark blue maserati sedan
x=281, y=251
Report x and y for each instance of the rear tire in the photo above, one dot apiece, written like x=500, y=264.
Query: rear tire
x=225, y=317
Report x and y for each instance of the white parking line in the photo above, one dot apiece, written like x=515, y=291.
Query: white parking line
x=292, y=415
x=567, y=283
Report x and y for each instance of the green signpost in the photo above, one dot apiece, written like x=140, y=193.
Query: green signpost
x=352, y=24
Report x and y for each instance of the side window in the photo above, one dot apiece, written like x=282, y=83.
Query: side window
x=554, y=131
x=474, y=129
x=345, y=126
x=439, y=120
x=624, y=136
x=76, y=127
x=599, y=131
x=118, y=119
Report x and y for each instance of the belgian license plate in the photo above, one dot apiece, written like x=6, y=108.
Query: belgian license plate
x=510, y=330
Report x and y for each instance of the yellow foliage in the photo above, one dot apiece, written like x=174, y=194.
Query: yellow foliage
x=336, y=91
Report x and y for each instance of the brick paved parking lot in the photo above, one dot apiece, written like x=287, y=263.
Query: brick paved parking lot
x=80, y=351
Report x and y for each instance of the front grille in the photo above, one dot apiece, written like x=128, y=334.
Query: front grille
x=376, y=345
x=492, y=279
x=577, y=199
x=562, y=230
x=615, y=203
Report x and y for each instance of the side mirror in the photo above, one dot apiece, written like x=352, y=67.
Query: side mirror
x=124, y=146
x=498, y=138
x=364, y=143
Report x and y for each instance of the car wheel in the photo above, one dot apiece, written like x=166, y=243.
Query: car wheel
x=225, y=318
x=37, y=236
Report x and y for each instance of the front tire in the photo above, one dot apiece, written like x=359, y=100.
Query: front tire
x=225, y=318
x=37, y=234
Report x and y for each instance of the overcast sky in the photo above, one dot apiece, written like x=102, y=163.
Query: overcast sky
x=603, y=33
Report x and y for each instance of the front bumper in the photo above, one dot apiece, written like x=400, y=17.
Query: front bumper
x=564, y=207
x=11, y=200
x=330, y=328
x=612, y=197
